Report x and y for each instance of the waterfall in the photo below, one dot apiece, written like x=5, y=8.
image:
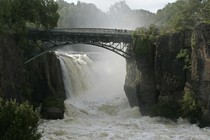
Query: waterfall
x=77, y=73
x=97, y=108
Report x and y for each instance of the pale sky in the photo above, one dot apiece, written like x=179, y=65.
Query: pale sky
x=151, y=5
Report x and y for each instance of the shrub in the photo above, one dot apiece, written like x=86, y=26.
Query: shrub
x=143, y=39
x=18, y=121
x=184, y=55
x=190, y=107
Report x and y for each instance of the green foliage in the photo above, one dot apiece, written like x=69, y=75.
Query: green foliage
x=184, y=55
x=151, y=32
x=16, y=14
x=183, y=15
x=190, y=107
x=193, y=40
x=18, y=121
x=143, y=39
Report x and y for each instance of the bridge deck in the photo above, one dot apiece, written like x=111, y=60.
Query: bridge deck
x=116, y=40
x=90, y=34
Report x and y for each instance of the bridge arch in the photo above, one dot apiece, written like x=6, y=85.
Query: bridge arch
x=117, y=41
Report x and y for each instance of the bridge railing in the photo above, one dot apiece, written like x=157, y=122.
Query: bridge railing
x=95, y=30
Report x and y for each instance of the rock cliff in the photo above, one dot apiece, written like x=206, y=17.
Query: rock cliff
x=11, y=68
x=200, y=74
x=162, y=86
x=45, y=77
x=35, y=81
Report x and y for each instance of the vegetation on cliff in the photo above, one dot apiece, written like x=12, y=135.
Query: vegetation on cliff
x=143, y=39
x=190, y=107
x=18, y=121
x=184, y=55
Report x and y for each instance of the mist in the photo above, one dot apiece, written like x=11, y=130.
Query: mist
x=87, y=15
x=106, y=74
x=109, y=68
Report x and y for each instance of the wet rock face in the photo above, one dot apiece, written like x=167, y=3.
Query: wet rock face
x=164, y=80
x=169, y=73
x=131, y=81
x=146, y=88
x=140, y=82
x=160, y=76
x=45, y=77
x=12, y=77
x=200, y=75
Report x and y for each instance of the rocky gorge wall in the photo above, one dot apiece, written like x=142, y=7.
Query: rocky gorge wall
x=44, y=76
x=37, y=81
x=11, y=68
x=160, y=87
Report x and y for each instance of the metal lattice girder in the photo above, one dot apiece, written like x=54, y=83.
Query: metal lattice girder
x=114, y=40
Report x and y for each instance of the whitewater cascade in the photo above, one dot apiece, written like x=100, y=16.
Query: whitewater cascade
x=97, y=108
x=76, y=73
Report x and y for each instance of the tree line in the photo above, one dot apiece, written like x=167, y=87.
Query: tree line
x=16, y=15
x=119, y=15
x=183, y=15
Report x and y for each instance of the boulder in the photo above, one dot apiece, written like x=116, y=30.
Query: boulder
x=52, y=108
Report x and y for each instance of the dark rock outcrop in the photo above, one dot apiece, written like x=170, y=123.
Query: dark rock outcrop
x=161, y=77
x=34, y=81
x=200, y=74
x=52, y=108
x=169, y=73
x=146, y=87
x=167, y=82
x=12, y=72
x=45, y=77
x=131, y=81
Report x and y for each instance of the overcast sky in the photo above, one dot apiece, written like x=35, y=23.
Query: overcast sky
x=151, y=5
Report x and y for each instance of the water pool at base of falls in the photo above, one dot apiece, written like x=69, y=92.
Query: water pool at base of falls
x=95, y=118
x=97, y=108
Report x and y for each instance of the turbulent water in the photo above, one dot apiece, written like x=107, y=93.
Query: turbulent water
x=97, y=108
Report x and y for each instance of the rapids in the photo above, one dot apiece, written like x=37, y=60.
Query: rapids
x=97, y=108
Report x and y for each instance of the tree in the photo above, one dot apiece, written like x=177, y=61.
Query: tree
x=15, y=14
x=119, y=8
x=205, y=11
x=182, y=14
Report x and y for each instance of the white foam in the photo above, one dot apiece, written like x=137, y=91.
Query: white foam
x=98, y=111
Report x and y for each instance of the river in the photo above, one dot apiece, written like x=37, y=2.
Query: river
x=97, y=108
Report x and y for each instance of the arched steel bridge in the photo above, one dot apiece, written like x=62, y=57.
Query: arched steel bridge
x=116, y=40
